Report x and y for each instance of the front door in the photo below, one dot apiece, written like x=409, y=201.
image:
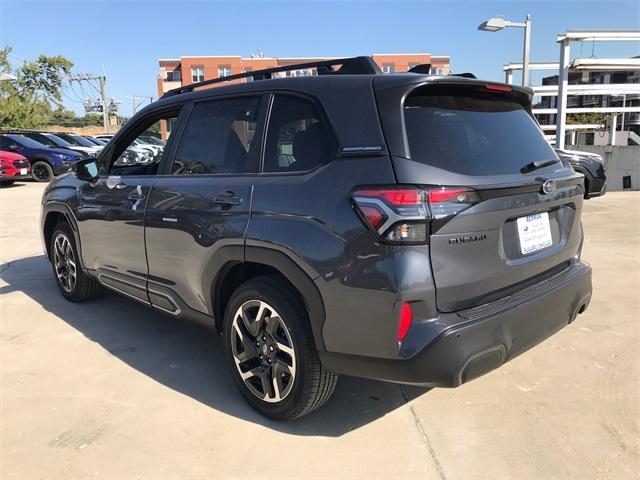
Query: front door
x=200, y=208
x=111, y=211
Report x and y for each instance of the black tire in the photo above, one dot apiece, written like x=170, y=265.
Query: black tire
x=83, y=287
x=312, y=385
x=587, y=194
x=41, y=171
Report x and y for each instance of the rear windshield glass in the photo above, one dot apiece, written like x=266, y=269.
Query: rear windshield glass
x=473, y=135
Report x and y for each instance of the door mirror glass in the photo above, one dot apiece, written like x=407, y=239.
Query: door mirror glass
x=86, y=169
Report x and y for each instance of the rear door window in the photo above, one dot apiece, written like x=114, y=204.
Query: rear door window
x=472, y=134
x=220, y=137
x=298, y=138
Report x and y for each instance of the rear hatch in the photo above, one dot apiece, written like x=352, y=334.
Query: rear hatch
x=505, y=212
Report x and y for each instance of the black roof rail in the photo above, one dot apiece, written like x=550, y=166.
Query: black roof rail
x=424, y=68
x=349, y=66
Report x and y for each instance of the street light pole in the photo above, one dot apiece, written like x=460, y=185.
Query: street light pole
x=498, y=23
x=526, y=50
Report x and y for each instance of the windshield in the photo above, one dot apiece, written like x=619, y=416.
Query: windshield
x=59, y=142
x=26, y=141
x=82, y=141
x=473, y=134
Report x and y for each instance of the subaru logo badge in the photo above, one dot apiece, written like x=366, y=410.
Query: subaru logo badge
x=549, y=187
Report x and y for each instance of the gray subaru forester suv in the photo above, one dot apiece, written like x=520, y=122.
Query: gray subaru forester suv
x=411, y=228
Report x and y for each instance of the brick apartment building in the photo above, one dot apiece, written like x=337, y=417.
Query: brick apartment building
x=185, y=70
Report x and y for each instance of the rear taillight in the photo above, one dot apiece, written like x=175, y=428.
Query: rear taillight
x=403, y=214
x=448, y=201
x=398, y=215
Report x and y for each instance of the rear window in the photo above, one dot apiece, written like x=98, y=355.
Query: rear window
x=473, y=135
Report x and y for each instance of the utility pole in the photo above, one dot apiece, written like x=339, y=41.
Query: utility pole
x=135, y=104
x=105, y=106
x=93, y=106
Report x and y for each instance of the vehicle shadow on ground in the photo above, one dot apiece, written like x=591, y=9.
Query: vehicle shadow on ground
x=188, y=357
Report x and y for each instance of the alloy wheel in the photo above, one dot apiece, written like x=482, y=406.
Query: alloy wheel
x=64, y=262
x=40, y=172
x=263, y=351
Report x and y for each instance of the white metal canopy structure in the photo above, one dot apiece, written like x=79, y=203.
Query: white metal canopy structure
x=565, y=39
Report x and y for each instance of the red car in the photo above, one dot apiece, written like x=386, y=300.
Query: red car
x=13, y=167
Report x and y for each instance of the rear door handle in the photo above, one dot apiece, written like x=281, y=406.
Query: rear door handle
x=227, y=199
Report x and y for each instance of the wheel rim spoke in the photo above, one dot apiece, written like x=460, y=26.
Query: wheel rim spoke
x=64, y=262
x=263, y=351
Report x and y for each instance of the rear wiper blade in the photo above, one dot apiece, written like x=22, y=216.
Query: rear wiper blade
x=530, y=167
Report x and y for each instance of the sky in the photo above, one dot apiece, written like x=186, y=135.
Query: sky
x=124, y=39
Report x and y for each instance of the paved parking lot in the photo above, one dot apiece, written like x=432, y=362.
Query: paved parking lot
x=111, y=389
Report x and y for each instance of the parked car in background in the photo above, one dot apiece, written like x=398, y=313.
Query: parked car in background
x=54, y=141
x=45, y=162
x=591, y=166
x=95, y=141
x=134, y=153
x=411, y=228
x=80, y=141
x=13, y=166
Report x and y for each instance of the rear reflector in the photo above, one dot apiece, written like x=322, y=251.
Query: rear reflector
x=497, y=88
x=406, y=317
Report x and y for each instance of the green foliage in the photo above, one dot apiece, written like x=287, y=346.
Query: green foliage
x=26, y=102
x=67, y=118
x=586, y=118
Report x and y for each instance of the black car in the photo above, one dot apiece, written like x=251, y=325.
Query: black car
x=591, y=166
x=409, y=228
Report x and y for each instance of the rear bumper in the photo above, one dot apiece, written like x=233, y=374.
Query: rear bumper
x=457, y=347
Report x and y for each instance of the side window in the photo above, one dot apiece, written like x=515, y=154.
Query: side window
x=298, y=138
x=220, y=138
x=142, y=154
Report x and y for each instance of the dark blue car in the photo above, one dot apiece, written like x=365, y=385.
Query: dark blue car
x=45, y=162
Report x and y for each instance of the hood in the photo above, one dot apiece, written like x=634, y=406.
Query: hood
x=11, y=156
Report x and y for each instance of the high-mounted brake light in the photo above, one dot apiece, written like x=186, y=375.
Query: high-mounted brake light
x=498, y=88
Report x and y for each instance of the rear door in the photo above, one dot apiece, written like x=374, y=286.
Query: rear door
x=505, y=212
x=201, y=204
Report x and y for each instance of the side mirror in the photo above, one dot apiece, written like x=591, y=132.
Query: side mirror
x=86, y=169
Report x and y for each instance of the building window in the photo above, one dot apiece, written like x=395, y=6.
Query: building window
x=224, y=71
x=174, y=76
x=388, y=68
x=197, y=74
x=247, y=70
x=438, y=71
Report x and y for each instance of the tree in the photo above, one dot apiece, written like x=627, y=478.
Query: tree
x=26, y=102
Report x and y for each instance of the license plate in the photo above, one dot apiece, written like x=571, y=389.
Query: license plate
x=534, y=233
x=23, y=171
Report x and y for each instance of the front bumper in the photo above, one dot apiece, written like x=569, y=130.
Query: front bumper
x=458, y=347
x=16, y=177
